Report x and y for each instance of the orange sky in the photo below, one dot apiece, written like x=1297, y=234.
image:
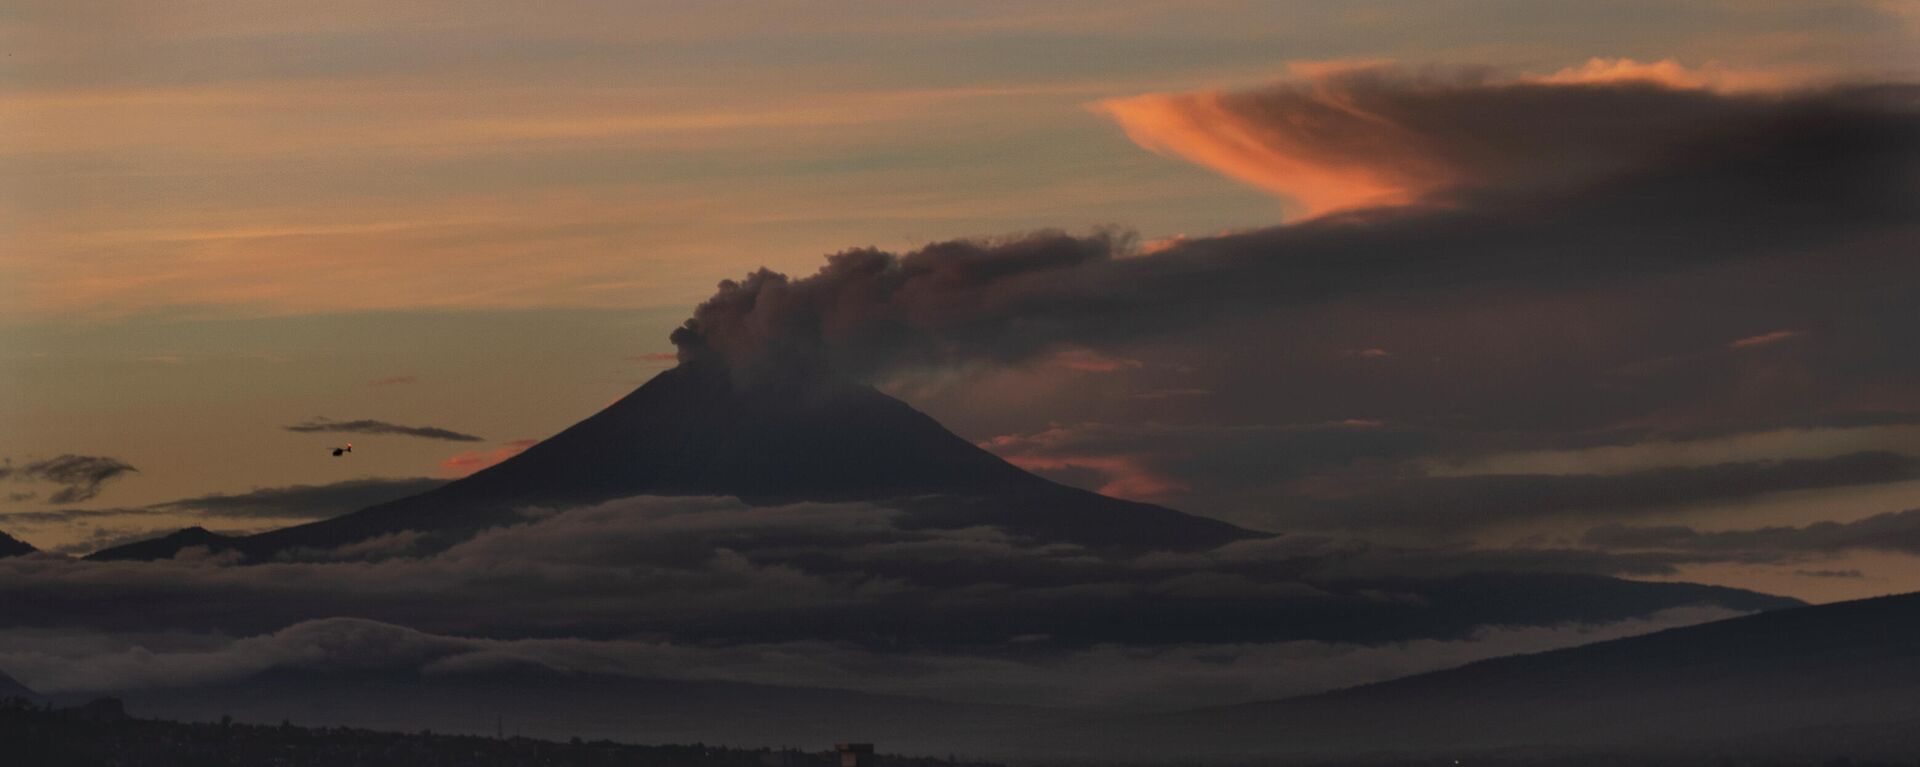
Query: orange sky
x=384, y=155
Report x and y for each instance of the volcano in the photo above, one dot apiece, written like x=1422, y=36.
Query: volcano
x=696, y=431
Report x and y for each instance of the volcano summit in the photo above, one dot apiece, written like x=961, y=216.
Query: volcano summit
x=695, y=430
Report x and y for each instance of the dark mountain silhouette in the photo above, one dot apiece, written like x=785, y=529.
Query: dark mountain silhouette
x=693, y=431
x=12, y=688
x=1750, y=680
x=166, y=547
x=13, y=547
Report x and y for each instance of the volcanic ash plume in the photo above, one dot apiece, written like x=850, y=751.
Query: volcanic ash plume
x=1416, y=185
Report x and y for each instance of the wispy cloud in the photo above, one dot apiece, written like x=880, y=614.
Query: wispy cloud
x=367, y=426
x=1893, y=531
x=81, y=476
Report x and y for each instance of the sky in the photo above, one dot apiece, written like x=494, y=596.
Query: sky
x=475, y=227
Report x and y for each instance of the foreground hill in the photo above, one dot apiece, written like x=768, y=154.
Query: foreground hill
x=1775, y=681
x=693, y=431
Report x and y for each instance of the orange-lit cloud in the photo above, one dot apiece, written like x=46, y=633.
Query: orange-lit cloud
x=1161, y=244
x=1330, y=155
x=1357, y=134
x=474, y=460
x=1122, y=476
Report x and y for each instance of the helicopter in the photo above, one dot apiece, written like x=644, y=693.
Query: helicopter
x=340, y=451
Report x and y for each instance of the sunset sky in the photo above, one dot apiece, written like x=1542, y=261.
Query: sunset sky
x=225, y=219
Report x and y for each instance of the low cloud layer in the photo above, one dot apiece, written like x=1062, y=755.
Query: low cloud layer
x=81, y=477
x=837, y=595
x=56, y=662
x=720, y=571
x=1894, y=532
x=365, y=426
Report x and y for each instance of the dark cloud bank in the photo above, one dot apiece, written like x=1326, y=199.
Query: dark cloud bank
x=1466, y=502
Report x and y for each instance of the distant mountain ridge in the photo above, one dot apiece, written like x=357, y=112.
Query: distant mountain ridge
x=12, y=688
x=167, y=546
x=692, y=430
x=13, y=547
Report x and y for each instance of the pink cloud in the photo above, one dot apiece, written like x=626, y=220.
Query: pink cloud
x=1667, y=73
x=1121, y=475
x=462, y=464
x=1292, y=159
